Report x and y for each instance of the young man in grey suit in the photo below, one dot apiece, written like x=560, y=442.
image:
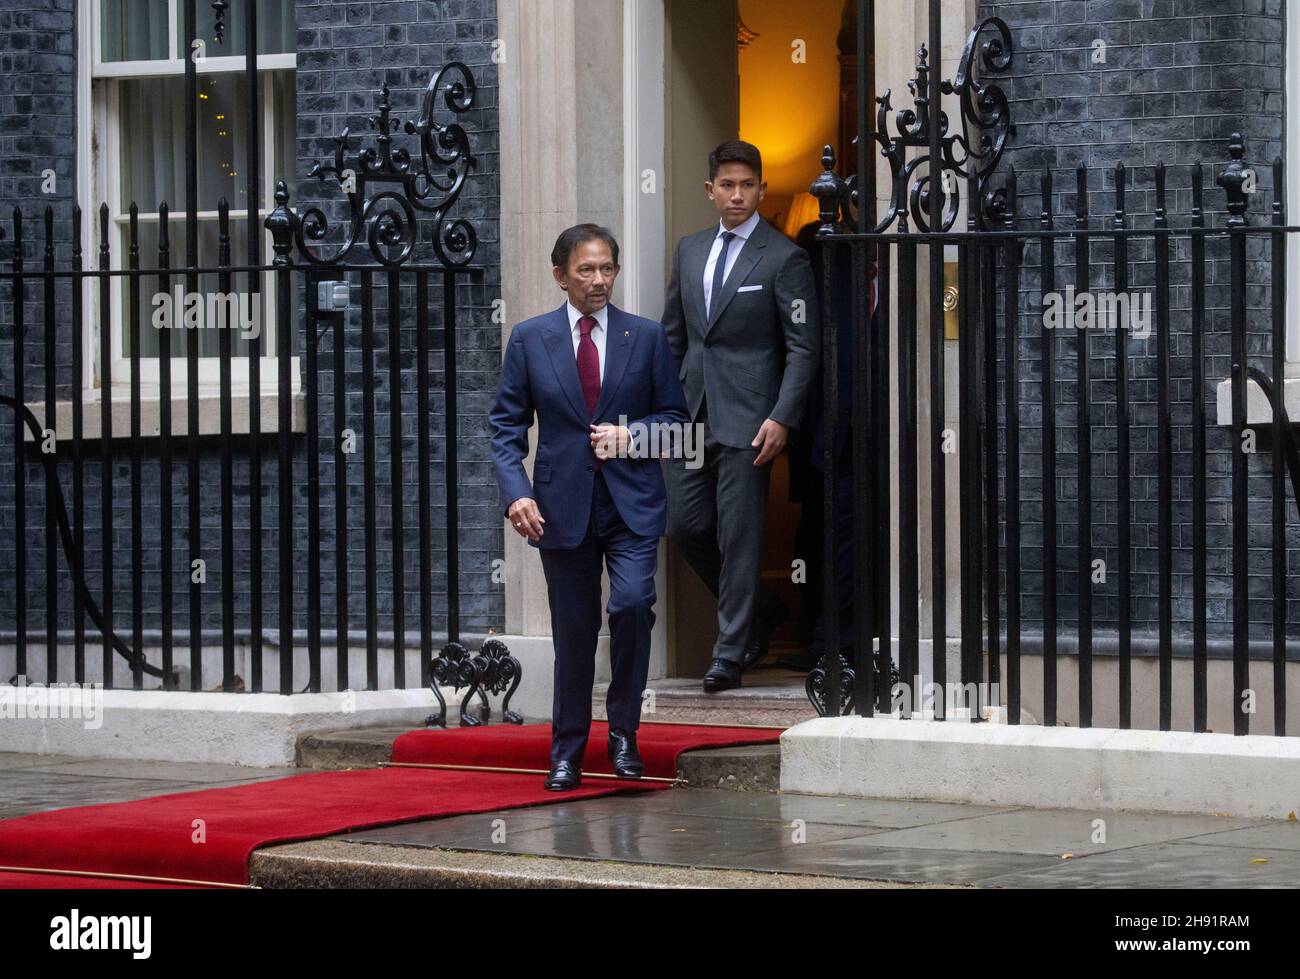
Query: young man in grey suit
x=741, y=319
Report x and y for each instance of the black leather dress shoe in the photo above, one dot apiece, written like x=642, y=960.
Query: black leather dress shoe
x=623, y=754
x=766, y=619
x=564, y=775
x=723, y=675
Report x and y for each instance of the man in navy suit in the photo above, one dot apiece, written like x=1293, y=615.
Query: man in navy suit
x=596, y=492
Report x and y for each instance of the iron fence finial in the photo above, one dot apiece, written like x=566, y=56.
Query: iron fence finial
x=1234, y=180
x=283, y=225
x=829, y=189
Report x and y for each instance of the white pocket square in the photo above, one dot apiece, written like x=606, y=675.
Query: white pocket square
x=750, y=289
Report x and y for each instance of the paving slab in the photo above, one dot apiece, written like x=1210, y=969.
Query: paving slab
x=24, y=792
x=328, y=864
x=860, y=858
x=632, y=836
x=821, y=809
x=852, y=839
x=1279, y=835
x=1056, y=831
x=1165, y=865
x=59, y=782
x=180, y=771
x=10, y=760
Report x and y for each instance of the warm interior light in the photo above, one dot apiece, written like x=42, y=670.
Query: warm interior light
x=803, y=208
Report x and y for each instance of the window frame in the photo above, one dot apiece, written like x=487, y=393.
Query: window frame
x=100, y=181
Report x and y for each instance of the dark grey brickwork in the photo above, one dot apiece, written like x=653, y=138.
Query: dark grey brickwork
x=1180, y=76
x=346, y=52
x=38, y=133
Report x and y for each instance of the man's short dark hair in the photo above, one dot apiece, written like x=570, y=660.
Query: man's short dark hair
x=580, y=234
x=735, y=151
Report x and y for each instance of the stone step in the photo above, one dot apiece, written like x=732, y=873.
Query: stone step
x=357, y=747
x=769, y=697
x=334, y=864
x=753, y=768
x=750, y=769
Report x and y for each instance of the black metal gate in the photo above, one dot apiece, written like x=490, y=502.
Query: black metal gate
x=1011, y=268
x=411, y=172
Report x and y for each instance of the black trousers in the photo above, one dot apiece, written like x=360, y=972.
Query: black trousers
x=715, y=516
x=573, y=591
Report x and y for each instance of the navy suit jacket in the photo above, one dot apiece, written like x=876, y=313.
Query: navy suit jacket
x=539, y=375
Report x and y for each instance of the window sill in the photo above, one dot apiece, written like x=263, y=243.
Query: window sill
x=1258, y=410
x=151, y=412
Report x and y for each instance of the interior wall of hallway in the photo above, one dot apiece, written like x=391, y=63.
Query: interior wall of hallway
x=702, y=96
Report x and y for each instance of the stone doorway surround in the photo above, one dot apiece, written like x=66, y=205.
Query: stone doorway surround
x=582, y=108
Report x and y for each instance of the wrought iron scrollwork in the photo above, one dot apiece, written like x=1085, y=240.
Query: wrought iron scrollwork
x=387, y=190
x=816, y=685
x=970, y=155
x=454, y=668
x=502, y=675
x=492, y=670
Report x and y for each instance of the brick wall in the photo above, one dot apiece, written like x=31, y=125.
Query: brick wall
x=1179, y=77
x=346, y=52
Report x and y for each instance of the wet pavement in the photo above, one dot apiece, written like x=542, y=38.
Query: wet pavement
x=921, y=842
x=851, y=839
x=38, y=783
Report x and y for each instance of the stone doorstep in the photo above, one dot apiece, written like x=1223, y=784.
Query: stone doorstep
x=755, y=768
x=769, y=697
x=334, y=864
x=362, y=747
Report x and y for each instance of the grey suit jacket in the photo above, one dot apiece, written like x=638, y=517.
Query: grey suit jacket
x=756, y=355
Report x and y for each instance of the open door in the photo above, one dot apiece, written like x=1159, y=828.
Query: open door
x=781, y=76
x=702, y=90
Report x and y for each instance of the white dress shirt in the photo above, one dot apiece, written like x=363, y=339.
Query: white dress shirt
x=742, y=234
x=598, y=332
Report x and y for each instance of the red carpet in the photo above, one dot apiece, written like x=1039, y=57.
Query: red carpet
x=16, y=881
x=529, y=745
x=157, y=837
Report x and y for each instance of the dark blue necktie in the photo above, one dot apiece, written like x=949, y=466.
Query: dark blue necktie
x=720, y=272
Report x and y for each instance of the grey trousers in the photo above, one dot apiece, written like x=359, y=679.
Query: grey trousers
x=715, y=516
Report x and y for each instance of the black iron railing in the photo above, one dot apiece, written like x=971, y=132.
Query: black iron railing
x=411, y=174
x=1012, y=361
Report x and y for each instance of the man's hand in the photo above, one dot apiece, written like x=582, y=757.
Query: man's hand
x=769, y=441
x=608, y=441
x=527, y=519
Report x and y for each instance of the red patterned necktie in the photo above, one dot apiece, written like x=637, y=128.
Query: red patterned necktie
x=589, y=363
